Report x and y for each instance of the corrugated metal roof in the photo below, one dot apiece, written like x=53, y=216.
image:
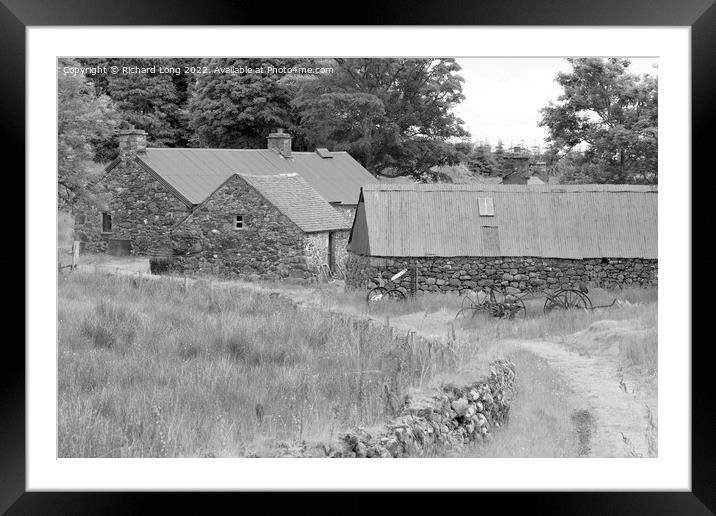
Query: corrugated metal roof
x=196, y=173
x=296, y=199
x=558, y=221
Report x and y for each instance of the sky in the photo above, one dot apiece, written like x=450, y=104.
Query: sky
x=503, y=96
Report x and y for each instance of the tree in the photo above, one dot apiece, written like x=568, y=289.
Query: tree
x=481, y=160
x=230, y=109
x=83, y=117
x=612, y=114
x=153, y=99
x=388, y=113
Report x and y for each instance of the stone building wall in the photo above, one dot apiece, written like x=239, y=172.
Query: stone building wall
x=269, y=246
x=518, y=274
x=143, y=210
x=316, y=246
x=340, y=239
x=348, y=212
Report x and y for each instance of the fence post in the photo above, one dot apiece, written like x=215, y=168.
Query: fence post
x=75, y=254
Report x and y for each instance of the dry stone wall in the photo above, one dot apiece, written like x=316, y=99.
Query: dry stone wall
x=443, y=420
x=516, y=274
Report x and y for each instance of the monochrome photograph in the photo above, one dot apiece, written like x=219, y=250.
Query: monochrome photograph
x=377, y=257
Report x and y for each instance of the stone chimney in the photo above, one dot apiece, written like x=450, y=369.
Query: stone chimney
x=131, y=142
x=280, y=142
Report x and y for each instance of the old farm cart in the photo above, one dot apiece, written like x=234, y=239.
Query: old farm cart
x=499, y=303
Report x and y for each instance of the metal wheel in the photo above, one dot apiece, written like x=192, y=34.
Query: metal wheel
x=396, y=295
x=376, y=295
x=514, y=308
x=468, y=307
x=567, y=299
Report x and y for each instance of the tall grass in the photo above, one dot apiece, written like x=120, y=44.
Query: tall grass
x=147, y=369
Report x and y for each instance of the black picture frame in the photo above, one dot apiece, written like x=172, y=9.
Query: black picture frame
x=17, y=15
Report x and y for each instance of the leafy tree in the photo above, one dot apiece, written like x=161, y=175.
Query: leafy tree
x=481, y=160
x=388, y=113
x=610, y=112
x=83, y=117
x=238, y=110
x=152, y=101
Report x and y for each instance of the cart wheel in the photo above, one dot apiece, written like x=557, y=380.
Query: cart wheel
x=376, y=295
x=515, y=308
x=468, y=306
x=396, y=295
x=567, y=299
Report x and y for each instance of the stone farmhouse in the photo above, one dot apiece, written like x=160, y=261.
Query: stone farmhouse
x=268, y=212
x=459, y=237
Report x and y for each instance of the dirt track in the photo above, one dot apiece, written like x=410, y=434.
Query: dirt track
x=615, y=412
x=619, y=417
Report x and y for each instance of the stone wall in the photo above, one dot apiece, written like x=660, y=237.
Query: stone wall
x=269, y=246
x=516, y=274
x=340, y=239
x=347, y=211
x=316, y=247
x=143, y=210
x=448, y=418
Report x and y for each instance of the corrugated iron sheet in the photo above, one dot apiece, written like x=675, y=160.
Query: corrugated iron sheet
x=558, y=221
x=196, y=173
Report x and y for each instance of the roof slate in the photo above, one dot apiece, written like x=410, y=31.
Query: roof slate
x=196, y=173
x=299, y=201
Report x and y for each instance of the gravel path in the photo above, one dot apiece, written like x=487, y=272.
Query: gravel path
x=619, y=420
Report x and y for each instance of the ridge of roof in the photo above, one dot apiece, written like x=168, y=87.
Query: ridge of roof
x=488, y=187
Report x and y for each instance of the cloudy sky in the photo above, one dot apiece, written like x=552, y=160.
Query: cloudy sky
x=503, y=96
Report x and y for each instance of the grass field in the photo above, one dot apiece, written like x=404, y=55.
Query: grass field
x=148, y=370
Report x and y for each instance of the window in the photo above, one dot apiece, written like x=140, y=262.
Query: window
x=106, y=222
x=239, y=222
x=486, y=207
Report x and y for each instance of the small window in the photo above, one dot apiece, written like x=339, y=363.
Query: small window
x=486, y=207
x=239, y=222
x=106, y=222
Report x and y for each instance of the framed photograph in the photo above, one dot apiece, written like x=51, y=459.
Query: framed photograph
x=258, y=253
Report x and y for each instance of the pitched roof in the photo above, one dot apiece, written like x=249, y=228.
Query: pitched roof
x=196, y=173
x=557, y=221
x=299, y=201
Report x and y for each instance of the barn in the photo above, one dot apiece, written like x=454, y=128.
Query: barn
x=155, y=197
x=456, y=237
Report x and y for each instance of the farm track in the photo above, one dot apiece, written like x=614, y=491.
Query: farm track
x=618, y=419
